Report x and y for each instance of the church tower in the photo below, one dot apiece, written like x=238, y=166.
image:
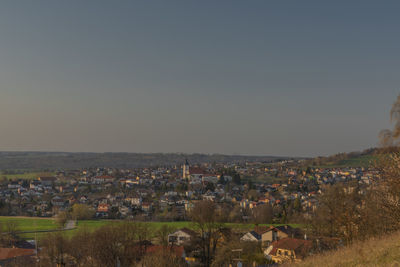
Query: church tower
x=186, y=172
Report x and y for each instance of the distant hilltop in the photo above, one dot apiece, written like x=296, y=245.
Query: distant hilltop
x=67, y=160
x=353, y=159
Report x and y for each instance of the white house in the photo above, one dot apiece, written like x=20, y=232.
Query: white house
x=251, y=236
x=181, y=236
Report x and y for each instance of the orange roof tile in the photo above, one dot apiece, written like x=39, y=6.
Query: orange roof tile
x=9, y=253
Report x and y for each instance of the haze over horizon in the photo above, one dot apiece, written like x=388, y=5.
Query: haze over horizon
x=231, y=77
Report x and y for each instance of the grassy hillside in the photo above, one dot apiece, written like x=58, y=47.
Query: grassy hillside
x=384, y=251
x=360, y=161
x=366, y=158
x=356, y=161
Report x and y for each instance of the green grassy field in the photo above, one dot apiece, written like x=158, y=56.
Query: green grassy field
x=26, y=175
x=38, y=224
x=29, y=224
x=92, y=225
x=361, y=161
x=26, y=224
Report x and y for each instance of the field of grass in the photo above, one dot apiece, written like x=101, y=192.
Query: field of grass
x=94, y=224
x=26, y=224
x=26, y=175
x=383, y=251
x=38, y=224
x=29, y=224
x=361, y=161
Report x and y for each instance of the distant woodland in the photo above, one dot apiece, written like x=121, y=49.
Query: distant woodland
x=64, y=160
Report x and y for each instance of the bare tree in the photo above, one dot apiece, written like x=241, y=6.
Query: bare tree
x=388, y=137
x=263, y=214
x=11, y=229
x=80, y=248
x=161, y=258
x=205, y=220
x=62, y=218
x=162, y=234
x=82, y=212
x=106, y=243
x=339, y=212
x=385, y=192
x=54, y=250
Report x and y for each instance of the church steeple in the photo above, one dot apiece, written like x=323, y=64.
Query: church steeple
x=186, y=171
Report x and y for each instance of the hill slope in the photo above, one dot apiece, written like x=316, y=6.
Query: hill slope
x=365, y=158
x=384, y=251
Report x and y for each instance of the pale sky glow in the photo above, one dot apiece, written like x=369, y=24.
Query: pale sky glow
x=299, y=78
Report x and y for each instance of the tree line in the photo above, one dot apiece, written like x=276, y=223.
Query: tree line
x=126, y=243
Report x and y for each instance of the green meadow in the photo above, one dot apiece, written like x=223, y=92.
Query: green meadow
x=359, y=161
x=31, y=224
x=26, y=175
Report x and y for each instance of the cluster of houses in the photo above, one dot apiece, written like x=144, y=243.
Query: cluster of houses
x=169, y=193
x=279, y=244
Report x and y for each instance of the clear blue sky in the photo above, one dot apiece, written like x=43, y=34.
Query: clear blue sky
x=300, y=78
